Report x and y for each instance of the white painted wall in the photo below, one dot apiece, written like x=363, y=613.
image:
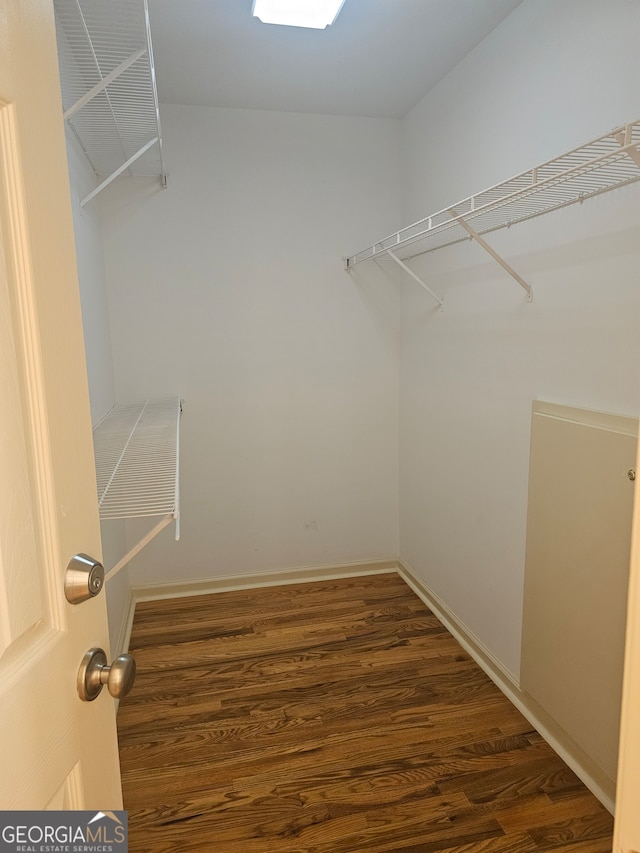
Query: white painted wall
x=555, y=74
x=228, y=289
x=93, y=289
x=97, y=341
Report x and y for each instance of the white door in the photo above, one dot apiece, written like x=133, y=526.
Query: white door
x=56, y=751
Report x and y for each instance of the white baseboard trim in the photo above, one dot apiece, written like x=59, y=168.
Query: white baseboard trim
x=305, y=574
x=573, y=755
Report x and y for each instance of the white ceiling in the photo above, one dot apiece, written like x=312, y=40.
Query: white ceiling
x=378, y=59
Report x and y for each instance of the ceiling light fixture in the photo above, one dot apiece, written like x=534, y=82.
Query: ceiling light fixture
x=315, y=14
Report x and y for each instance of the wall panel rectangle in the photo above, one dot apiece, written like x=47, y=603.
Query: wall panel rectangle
x=576, y=572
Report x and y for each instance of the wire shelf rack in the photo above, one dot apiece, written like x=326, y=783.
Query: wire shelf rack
x=108, y=85
x=137, y=465
x=606, y=163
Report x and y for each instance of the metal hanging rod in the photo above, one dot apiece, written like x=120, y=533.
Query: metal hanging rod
x=604, y=164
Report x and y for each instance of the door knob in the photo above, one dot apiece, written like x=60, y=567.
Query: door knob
x=94, y=674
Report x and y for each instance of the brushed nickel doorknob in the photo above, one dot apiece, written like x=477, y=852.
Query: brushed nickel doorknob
x=94, y=673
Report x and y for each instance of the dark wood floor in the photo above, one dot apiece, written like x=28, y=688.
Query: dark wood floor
x=332, y=717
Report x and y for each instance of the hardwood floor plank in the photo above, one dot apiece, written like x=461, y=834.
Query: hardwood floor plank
x=332, y=717
x=540, y=810
x=517, y=843
x=575, y=829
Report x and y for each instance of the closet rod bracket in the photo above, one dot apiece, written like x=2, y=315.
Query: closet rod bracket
x=495, y=255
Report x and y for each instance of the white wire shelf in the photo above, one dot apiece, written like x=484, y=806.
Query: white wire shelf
x=137, y=466
x=108, y=86
x=604, y=164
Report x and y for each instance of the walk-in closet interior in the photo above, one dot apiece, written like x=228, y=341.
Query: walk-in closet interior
x=341, y=389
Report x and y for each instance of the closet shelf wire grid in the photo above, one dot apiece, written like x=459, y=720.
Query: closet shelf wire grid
x=108, y=85
x=136, y=451
x=604, y=164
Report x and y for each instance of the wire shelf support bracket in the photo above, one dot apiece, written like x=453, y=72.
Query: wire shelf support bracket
x=137, y=452
x=495, y=255
x=118, y=172
x=604, y=164
x=415, y=277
